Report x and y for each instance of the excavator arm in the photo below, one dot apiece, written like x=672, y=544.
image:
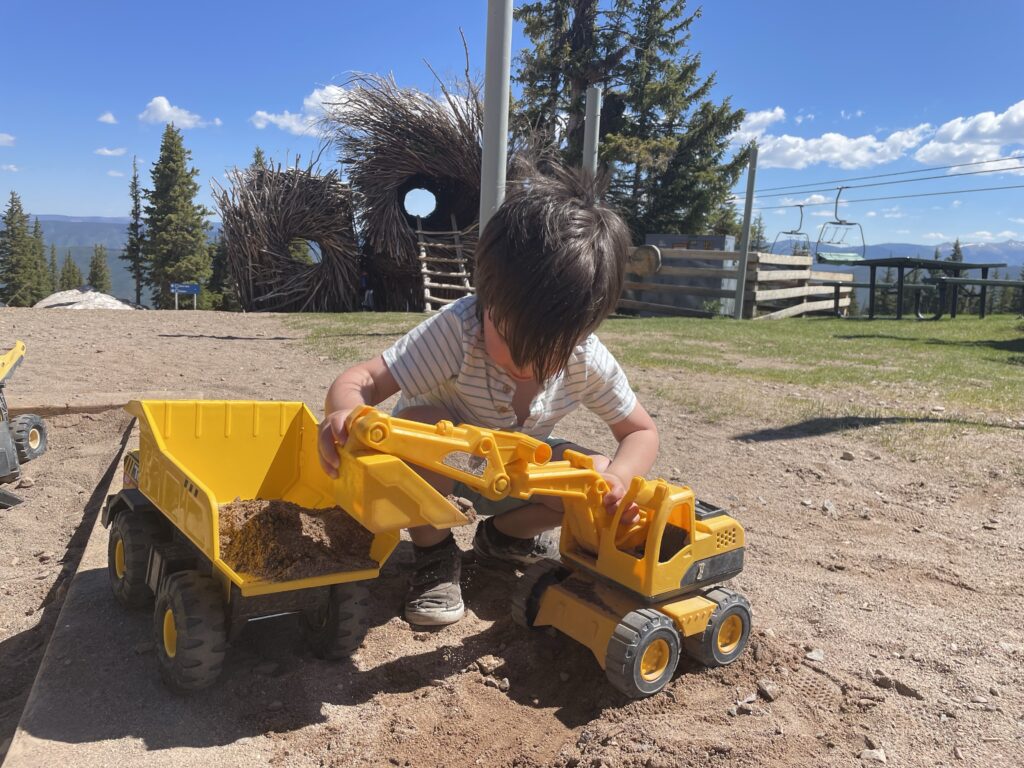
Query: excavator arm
x=11, y=360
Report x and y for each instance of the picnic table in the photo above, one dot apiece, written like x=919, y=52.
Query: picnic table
x=951, y=269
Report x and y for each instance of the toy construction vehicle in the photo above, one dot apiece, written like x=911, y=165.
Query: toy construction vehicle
x=22, y=438
x=630, y=593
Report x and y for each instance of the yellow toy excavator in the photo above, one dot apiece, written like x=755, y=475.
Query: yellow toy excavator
x=636, y=594
x=22, y=438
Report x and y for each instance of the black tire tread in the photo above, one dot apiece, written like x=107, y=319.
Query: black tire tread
x=202, y=633
x=701, y=647
x=140, y=529
x=624, y=646
x=537, y=578
x=346, y=625
x=21, y=427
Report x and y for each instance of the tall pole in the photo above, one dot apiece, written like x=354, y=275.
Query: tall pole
x=496, y=80
x=748, y=209
x=592, y=129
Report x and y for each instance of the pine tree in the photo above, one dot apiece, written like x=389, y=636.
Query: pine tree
x=854, y=309
x=133, y=250
x=885, y=295
x=54, y=274
x=758, y=238
x=99, y=270
x=40, y=269
x=259, y=160
x=175, y=246
x=222, y=288
x=21, y=282
x=70, y=274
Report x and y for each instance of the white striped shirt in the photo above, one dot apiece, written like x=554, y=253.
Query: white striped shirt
x=443, y=362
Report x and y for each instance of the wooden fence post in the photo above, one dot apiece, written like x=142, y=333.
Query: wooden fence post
x=744, y=251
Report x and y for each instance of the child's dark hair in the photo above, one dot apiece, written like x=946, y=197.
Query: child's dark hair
x=549, y=266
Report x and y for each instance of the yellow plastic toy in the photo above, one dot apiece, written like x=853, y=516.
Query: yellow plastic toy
x=22, y=438
x=632, y=594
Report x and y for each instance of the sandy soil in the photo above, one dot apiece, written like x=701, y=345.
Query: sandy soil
x=885, y=586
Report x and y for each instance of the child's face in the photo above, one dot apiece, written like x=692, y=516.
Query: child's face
x=498, y=351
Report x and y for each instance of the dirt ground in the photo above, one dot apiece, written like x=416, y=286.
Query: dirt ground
x=884, y=567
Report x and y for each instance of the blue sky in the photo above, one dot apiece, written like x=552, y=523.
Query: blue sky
x=833, y=90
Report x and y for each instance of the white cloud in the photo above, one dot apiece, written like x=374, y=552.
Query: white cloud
x=10, y=168
x=871, y=214
x=1017, y=220
x=814, y=199
x=6, y=140
x=107, y=117
x=956, y=204
x=984, y=136
x=935, y=237
x=902, y=231
x=115, y=174
x=983, y=235
x=893, y=213
x=314, y=107
x=850, y=115
x=110, y=152
x=800, y=118
x=1007, y=234
x=160, y=110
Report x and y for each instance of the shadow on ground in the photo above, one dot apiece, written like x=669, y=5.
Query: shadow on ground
x=826, y=425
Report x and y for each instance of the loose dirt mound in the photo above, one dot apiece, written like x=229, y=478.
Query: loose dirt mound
x=280, y=541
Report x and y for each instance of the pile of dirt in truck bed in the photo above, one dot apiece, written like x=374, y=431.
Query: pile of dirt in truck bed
x=280, y=541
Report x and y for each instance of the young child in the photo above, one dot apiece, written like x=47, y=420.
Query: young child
x=518, y=356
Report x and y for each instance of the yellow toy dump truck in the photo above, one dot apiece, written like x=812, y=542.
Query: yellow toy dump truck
x=634, y=594
x=22, y=438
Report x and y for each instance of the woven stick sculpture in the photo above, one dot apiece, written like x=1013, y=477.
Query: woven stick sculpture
x=263, y=212
x=392, y=140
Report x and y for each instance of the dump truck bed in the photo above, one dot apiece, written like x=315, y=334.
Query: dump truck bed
x=195, y=456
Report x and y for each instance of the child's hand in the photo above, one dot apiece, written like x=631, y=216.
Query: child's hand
x=333, y=434
x=616, y=490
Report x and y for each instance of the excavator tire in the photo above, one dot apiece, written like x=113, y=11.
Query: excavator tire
x=29, y=433
x=725, y=636
x=537, y=578
x=643, y=652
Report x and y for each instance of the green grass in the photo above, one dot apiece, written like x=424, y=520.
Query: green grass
x=962, y=363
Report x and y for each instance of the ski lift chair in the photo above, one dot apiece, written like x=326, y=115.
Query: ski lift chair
x=800, y=240
x=840, y=241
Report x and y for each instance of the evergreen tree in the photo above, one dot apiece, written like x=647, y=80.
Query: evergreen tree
x=668, y=155
x=70, y=274
x=54, y=274
x=222, y=288
x=758, y=238
x=99, y=270
x=175, y=246
x=133, y=250
x=886, y=305
x=21, y=283
x=40, y=268
x=854, y=309
x=259, y=160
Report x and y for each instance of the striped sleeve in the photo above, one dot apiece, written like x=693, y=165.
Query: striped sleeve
x=607, y=392
x=428, y=355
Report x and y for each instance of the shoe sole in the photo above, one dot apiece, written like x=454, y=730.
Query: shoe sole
x=435, y=618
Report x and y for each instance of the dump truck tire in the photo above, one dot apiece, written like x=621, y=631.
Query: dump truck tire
x=531, y=587
x=132, y=534
x=29, y=433
x=643, y=653
x=189, y=631
x=725, y=637
x=337, y=630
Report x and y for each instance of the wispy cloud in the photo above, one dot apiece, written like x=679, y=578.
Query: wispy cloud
x=935, y=237
x=893, y=213
x=160, y=110
x=984, y=136
x=1017, y=220
x=850, y=115
x=847, y=152
x=6, y=140
x=115, y=174
x=110, y=152
x=107, y=117
x=9, y=168
x=800, y=118
x=304, y=123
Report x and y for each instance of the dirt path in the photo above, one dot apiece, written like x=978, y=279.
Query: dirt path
x=900, y=565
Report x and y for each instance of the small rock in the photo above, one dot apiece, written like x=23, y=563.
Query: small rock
x=487, y=664
x=769, y=633
x=490, y=682
x=275, y=706
x=807, y=503
x=141, y=648
x=872, y=742
x=45, y=557
x=958, y=753
x=38, y=553
x=815, y=654
x=503, y=684
x=876, y=755
x=847, y=456
x=26, y=482
x=994, y=691
x=769, y=690
x=979, y=700
x=463, y=503
x=733, y=711
x=563, y=676
x=15, y=561
x=938, y=409
x=721, y=749
x=745, y=709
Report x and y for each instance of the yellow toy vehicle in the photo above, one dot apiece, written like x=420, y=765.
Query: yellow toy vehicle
x=22, y=438
x=634, y=594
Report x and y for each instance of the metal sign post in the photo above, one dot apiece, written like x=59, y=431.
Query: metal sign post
x=592, y=129
x=496, y=85
x=189, y=289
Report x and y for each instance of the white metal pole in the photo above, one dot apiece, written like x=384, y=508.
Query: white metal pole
x=592, y=129
x=175, y=300
x=744, y=252
x=496, y=87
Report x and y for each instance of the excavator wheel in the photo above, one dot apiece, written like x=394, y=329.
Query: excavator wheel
x=642, y=653
x=132, y=535
x=189, y=631
x=29, y=433
x=725, y=636
x=337, y=629
x=537, y=578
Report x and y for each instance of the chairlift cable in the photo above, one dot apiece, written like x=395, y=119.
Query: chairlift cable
x=899, y=197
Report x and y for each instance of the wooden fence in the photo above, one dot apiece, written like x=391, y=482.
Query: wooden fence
x=776, y=286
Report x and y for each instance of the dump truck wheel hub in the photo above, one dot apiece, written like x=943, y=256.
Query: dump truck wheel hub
x=655, y=660
x=119, y=566
x=170, y=634
x=729, y=634
x=34, y=438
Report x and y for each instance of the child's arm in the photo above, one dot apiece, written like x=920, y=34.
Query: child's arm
x=637, y=436
x=367, y=383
